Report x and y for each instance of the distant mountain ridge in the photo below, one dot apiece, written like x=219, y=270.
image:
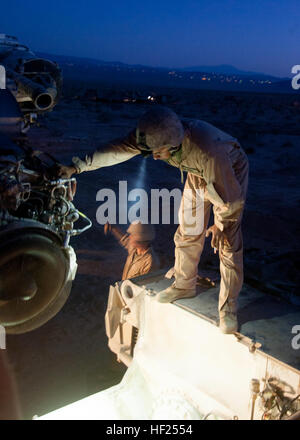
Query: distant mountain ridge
x=219, y=69
x=221, y=77
x=92, y=61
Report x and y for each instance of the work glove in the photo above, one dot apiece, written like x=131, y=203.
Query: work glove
x=65, y=171
x=218, y=238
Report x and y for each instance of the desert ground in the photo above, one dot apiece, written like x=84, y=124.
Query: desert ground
x=68, y=358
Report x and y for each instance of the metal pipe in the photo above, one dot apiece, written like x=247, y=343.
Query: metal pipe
x=43, y=98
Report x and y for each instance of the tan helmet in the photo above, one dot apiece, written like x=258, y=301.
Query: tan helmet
x=159, y=127
x=141, y=232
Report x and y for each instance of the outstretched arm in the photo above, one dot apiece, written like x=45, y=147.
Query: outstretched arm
x=122, y=237
x=116, y=151
x=113, y=229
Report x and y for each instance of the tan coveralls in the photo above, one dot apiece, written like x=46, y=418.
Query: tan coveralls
x=215, y=162
x=136, y=264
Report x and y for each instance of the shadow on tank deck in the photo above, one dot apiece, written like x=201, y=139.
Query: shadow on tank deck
x=266, y=320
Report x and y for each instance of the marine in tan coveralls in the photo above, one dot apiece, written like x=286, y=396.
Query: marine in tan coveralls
x=215, y=162
x=137, y=241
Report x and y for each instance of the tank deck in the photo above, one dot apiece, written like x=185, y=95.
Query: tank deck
x=264, y=319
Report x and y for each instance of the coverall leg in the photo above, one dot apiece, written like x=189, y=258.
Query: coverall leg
x=188, y=250
x=231, y=257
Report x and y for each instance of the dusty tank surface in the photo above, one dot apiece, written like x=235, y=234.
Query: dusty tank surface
x=181, y=367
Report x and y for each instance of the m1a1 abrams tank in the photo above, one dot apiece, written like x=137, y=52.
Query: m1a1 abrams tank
x=34, y=82
x=37, y=216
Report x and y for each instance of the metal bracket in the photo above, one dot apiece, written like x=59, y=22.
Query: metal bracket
x=250, y=343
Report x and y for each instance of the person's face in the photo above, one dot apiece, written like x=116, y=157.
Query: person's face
x=161, y=153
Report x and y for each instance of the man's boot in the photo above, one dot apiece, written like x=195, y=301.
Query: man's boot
x=172, y=293
x=228, y=322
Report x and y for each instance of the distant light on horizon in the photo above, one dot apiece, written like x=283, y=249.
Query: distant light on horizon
x=170, y=34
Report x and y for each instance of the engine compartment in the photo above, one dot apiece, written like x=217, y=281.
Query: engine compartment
x=37, y=217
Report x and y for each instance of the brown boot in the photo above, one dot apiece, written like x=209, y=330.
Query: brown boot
x=228, y=322
x=172, y=293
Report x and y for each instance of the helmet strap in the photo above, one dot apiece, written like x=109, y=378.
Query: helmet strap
x=175, y=150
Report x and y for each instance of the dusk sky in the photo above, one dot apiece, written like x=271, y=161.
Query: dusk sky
x=256, y=35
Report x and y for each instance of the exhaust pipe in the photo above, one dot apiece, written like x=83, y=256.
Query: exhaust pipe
x=42, y=98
